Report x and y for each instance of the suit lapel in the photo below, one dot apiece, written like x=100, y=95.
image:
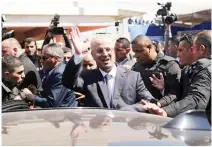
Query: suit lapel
x=119, y=82
x=103, y=88
x=50, y=74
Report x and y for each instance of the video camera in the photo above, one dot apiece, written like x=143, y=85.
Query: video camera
x=5, y=34
x=55, y=29
x=164, y=12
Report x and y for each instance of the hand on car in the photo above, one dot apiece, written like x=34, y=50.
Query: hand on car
x=153, y=108
x=76, y=40
x=158, y=83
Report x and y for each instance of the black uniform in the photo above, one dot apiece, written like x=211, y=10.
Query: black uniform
x=195, y=85
x=9, y=92
x=32, y=76
x=171, y=71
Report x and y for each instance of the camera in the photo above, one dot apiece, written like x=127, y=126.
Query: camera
x=5, y=33
x=164, y=12
x=55, y=29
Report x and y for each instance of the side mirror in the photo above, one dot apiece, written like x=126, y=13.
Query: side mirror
x=190, y=120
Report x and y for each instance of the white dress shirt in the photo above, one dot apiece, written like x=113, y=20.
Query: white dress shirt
x=111, y=80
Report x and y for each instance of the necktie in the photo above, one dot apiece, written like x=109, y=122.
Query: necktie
x=109, y=87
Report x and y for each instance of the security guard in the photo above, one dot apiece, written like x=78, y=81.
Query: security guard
x=12, y=99
x=12, y=76
x=155, y=66
x=195, y=83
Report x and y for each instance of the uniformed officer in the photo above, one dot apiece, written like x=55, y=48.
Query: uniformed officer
x=155, y=66
x=195, y=83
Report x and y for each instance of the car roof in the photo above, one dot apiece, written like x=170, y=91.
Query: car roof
x=84, y=126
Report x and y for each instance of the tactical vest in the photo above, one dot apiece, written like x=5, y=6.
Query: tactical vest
x=159, y=66
x=8, y=104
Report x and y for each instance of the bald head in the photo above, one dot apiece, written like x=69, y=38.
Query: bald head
x=11, y=47
x=144, y=50
x=88, y=62
x=101, y=40
x=142, y=40
x=87, y=57
x=102, y=50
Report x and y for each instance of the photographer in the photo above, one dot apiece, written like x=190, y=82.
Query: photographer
x=167, y=19
x=5, y=34
x=53, y=29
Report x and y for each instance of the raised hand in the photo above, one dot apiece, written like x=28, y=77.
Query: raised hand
x=76, y=40
x=158, y=83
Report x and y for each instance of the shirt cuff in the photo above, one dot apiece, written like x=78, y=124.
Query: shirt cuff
x=162, y=92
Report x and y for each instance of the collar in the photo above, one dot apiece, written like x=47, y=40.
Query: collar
x=159, y=57
x=50, y=71
x=7, y=86
x=112, y=72
x=33, y=57
x=202, y=63
x=122, y=61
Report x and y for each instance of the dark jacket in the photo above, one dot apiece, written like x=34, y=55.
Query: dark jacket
x=195, y=91
x=129, y=87
x=9, y=92
x=31, y=74
x=54, y=93
x=171, y=71
x=35, y=60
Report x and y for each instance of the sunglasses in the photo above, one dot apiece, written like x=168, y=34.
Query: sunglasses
x=187, y=37
x=45, y=58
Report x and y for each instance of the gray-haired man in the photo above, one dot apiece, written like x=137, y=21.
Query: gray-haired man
x=54, y=93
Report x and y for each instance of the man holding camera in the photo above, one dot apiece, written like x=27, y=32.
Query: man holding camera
x=54, y=29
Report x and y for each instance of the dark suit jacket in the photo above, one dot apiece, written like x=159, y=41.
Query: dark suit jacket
x=54, y=93
x=31, y=74
x=129, y=87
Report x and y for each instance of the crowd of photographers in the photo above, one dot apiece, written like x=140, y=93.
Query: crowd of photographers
x=141, y=75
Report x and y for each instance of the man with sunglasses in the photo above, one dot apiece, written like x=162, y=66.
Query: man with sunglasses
x=54, y=93
x=154, y=67
x=195, y=83
x=185, y=52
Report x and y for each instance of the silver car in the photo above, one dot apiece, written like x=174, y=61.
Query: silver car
x=101, y=127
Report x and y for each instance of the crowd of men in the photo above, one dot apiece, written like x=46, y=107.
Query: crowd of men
x=106, y=74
